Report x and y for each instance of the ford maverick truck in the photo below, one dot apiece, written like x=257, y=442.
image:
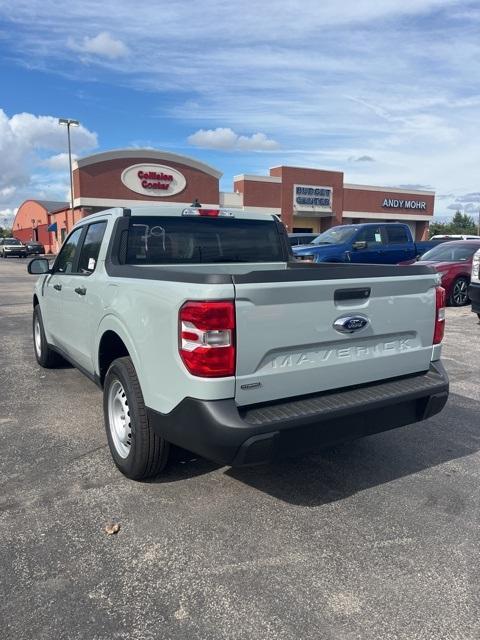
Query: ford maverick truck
x=203, y=332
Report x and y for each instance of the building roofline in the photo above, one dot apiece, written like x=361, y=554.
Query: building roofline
x=369, y=187
x=290, y=166
x=249, y=176
x=148, y=154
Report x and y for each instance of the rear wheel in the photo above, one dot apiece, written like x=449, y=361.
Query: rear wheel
x=43, y=353
x=136, y=449
x=459, y=295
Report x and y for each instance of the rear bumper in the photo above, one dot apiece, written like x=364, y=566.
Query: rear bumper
x=474, y=295
x=227, y=434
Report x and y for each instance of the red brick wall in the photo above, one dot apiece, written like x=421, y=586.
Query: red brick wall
x=366, y=200
x=257, y=193
x=28, y=211
x=102, y=180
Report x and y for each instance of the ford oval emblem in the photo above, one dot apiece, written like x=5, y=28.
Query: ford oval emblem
x=350, y=324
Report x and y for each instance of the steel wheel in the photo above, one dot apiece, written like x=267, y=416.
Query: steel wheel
x=119, y=419
x=37, y=337
x=460, y=293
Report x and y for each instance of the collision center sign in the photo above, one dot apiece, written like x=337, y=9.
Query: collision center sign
x=155, y=180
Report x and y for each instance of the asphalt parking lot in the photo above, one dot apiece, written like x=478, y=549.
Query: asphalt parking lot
x=378, y=538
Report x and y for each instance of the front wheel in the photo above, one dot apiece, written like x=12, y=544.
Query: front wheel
x=459, y=295
x=136, y=449
x=45, y=356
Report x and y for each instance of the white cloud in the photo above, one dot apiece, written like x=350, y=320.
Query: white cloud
x=58, y=162
x=363, y=158
x=226, y=139
x=327, y=85
x=103, y=45
x=6, y=217
x=26, y=142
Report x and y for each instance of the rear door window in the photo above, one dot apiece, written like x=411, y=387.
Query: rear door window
x=184, y=240
x=397, y=235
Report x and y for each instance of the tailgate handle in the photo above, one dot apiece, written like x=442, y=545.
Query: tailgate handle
x=351, y=294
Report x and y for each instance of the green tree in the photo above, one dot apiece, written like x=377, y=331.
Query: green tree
x=461, y=223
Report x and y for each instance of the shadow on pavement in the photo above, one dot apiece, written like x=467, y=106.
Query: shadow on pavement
x=343, y=470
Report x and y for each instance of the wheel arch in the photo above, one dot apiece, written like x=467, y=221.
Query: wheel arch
x=113, y=341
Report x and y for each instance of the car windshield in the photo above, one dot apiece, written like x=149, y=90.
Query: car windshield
x=451, y=252
x=12, y=241
x=172, y=240
x=335, y=235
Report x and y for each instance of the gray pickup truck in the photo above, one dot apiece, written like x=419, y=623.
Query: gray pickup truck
x=204, y=333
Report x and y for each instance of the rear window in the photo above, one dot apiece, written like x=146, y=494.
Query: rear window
x=172, y=240
x=397, y=235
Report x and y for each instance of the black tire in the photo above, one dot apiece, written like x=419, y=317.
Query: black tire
x=459, y=295
x=46, y=357
x=148, y=452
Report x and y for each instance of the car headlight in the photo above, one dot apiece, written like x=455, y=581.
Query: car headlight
x=306, y=258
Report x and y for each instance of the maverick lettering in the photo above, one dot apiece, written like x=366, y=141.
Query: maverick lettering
x=344, y=353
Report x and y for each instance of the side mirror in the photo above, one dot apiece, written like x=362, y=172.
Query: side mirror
x=37, y=266
x=360, y=244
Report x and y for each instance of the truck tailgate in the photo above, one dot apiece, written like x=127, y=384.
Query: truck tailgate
x=287, y=345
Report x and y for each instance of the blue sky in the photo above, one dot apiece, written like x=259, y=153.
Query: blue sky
x=387, y=92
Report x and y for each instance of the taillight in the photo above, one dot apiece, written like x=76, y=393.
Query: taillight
x=207, y=338
x=439, y=315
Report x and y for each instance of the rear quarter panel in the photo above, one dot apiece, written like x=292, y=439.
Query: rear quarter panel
x=145, y=314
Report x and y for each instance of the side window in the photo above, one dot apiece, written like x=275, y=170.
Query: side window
x=66, y=257
x=91, y=247
x=371, y=235
x=397, y=235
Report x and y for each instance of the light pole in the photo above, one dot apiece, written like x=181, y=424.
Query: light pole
x=68, y=122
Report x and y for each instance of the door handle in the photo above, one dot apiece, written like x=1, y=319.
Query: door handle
x=81, y=291
x=58, y=287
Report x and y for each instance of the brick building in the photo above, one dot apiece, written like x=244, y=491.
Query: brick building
x=305, y=199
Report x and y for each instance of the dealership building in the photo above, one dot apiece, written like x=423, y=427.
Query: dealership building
x=310, y=200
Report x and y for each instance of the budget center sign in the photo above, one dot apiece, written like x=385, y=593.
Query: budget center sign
x=308, y=199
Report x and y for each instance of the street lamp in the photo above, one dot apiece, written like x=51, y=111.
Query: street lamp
x=68, y=122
